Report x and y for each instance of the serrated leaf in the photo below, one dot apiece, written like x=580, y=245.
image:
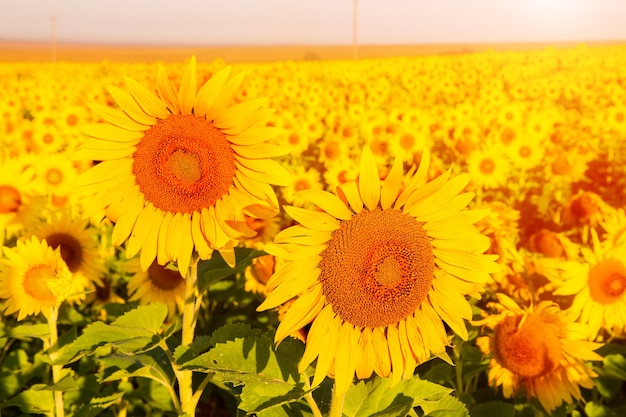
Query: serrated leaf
x=135, y=332
x=148, y=317
x=269, y=375
x=39, y=331
x=447, y=406
x=97, y=405
x=379, y=397
x=65, y=383
x=494, y=408
x=153, y=365
x=231, y=332
x=215, y=269
x=32, y=401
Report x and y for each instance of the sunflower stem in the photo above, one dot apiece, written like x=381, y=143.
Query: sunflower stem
x=188, y=401
x=53, y=337
x=309, y=397
x=336, y=403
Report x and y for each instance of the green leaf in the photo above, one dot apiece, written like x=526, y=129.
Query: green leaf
x=134, y=332
x=493, y=408
x=615, y=366
x=153, y=365
x=593, y=409
x=269, y=375
x=39, y=331
x=97, y=405
x=233, y=331
x=448, y=406
x=65, y=383
x=212, y=270
x=32, y=401
x=379, y=398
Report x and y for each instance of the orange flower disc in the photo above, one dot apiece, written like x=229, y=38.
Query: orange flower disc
x=10, y=199
x=183, y=164
x=35, y=282
x=532, y=350
x=607, y=281
x=377, y=268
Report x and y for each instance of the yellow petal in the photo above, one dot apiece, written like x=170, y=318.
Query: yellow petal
x=395, y=352
x=437, y=201
x=188, y=87
x=291, y=252
x=149, y=249
x=125, y=223
x=128, y=104
x=391, y=185
x=419, y=179
x=313, y=220
x=148, y=101
x=349, y=191
x=210, y=91
x=162, y=257
x=345, y=361
x=256, y=135
x=302, y=236
x=382, y=366
x=263, y=170
x=410, y=361
x=237, y=115
x=366, y=354
x=202, y=246
x=117, y=117
x=301, y=313
x=260, y=151
x=369, y=180
x=141, y=231
x=185, y=248
x=318, y=337
x=166, y=91
x=328, y=202
x=111, y=133
x=288, y=269
x=290, y=288
x=226, y=95
x=328, y=350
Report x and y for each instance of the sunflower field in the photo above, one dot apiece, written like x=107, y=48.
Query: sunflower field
x=412, y=236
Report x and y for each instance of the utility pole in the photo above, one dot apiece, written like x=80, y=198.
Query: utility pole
x=355, y=46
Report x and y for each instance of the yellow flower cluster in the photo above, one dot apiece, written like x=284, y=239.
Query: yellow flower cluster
x=541, y=134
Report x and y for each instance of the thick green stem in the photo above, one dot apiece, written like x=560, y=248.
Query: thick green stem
x=309, y=397
x=336, y=403
x=185, y=389
x=53, y=337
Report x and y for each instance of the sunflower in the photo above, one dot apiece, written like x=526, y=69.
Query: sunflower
x=34, y=278
x=158, y=284
x=181, y=168
x=598, y=284
x=540, y=349
x=488, y=166
x=378, y=270
x=78, y=244
x=20, y=199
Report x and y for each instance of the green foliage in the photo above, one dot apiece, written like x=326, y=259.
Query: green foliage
x=216, y=268
x=261, y=375
x=135, y=332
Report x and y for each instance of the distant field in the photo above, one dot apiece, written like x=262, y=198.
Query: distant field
x=43, y=52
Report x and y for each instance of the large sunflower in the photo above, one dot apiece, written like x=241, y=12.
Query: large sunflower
x=34, y=278
x=598, y=284
x=180, y=169
x=540, y=349
x=378, y=270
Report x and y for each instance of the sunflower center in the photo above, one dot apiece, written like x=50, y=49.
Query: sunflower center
x=163, y=278
x=54, y=176
x=547, y=243
x=607, y=281
x=183, y=164
x=36, y=282
x=531, y=350
x=377, y=268
x=70, y=248
x=10, y=199
x=487, y=166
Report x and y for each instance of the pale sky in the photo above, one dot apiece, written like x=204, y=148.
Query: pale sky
x=312, y=22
